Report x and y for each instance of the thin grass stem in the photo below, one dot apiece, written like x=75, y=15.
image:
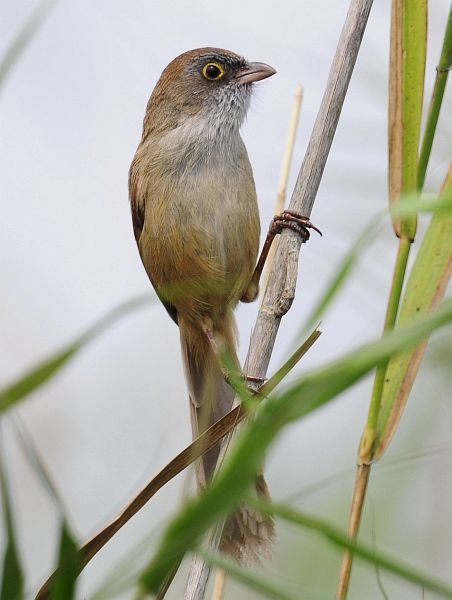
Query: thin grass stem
x=368, y=439
x=442, y=71
x=359, y=496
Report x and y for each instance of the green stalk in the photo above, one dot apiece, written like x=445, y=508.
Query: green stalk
x=368, y=439
x=406, y=89
x=442, y=71
x=425, y=288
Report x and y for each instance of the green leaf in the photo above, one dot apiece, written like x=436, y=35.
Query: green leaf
x=407, y=72
x=63, y=584
x=426, y=287
x=24, y=37
x=342, y=272
x=36, y=461
x=340, y=538
x=12, y=574
x=205, y=441
x=414, y=48
x=440, y=206
x=412, y=204
x=247, y=452
x=40, y=374
x=408, y=206
x=276, y=378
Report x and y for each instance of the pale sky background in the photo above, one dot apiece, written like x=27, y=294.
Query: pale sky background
x=71, y=114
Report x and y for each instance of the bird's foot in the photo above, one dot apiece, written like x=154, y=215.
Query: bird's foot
x=286, y=220
x=253, y=379
x=294, y=221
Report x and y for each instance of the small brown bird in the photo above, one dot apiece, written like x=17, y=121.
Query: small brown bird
x=196, y=223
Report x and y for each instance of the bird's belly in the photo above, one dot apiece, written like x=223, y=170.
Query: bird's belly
x=200, y=255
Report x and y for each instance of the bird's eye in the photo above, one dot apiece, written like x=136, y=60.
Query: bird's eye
x=212, y=71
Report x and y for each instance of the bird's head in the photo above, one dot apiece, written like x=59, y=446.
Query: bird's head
x=209, y=88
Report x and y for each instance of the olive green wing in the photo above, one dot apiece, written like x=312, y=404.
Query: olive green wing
x=138, y=224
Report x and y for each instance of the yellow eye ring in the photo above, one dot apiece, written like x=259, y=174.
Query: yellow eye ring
x=212, y=71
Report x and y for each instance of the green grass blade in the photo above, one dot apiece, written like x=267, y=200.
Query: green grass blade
x=12, y=574
x=46, y=369
x=414, y=56
x=425, y=289
x=246, y=454
x=442, y=71
x=253, y=580
x=428, y=203
x=23, y=38
x=204, y=442
x=68, y=567
x=36, y=461
x=342, y=272
x=408, y=206
x=406, y=82
x=367, y=553
x=63, y=585
x=273, y=381
x=123, y=575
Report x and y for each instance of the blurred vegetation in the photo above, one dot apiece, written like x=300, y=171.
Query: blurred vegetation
x=415, y=310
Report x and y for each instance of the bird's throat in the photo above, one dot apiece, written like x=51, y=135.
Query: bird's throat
x=199, y=141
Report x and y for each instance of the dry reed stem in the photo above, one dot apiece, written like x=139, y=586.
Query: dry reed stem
x=185, y=458
x=281, y=286
x=408, y=41
x=280, y=290
x=219, y=586
x=359, y=494
x=285, y=172
x=220, y=575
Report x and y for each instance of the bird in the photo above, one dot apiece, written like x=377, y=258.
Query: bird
x=196, y=223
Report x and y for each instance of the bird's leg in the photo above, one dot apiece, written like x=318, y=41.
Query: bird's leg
x=216, y=344
x=217, y=348
x=286, y=220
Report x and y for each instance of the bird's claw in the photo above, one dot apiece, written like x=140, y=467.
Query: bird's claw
x=292, y=220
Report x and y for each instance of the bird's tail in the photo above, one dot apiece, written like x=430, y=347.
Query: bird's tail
x=247, y=533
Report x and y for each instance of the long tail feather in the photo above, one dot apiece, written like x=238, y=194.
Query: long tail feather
x=247, y=533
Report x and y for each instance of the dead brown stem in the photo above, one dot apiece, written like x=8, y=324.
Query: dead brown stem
x=359, y=494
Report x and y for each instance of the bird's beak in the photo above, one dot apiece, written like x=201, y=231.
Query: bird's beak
x=255, y=72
